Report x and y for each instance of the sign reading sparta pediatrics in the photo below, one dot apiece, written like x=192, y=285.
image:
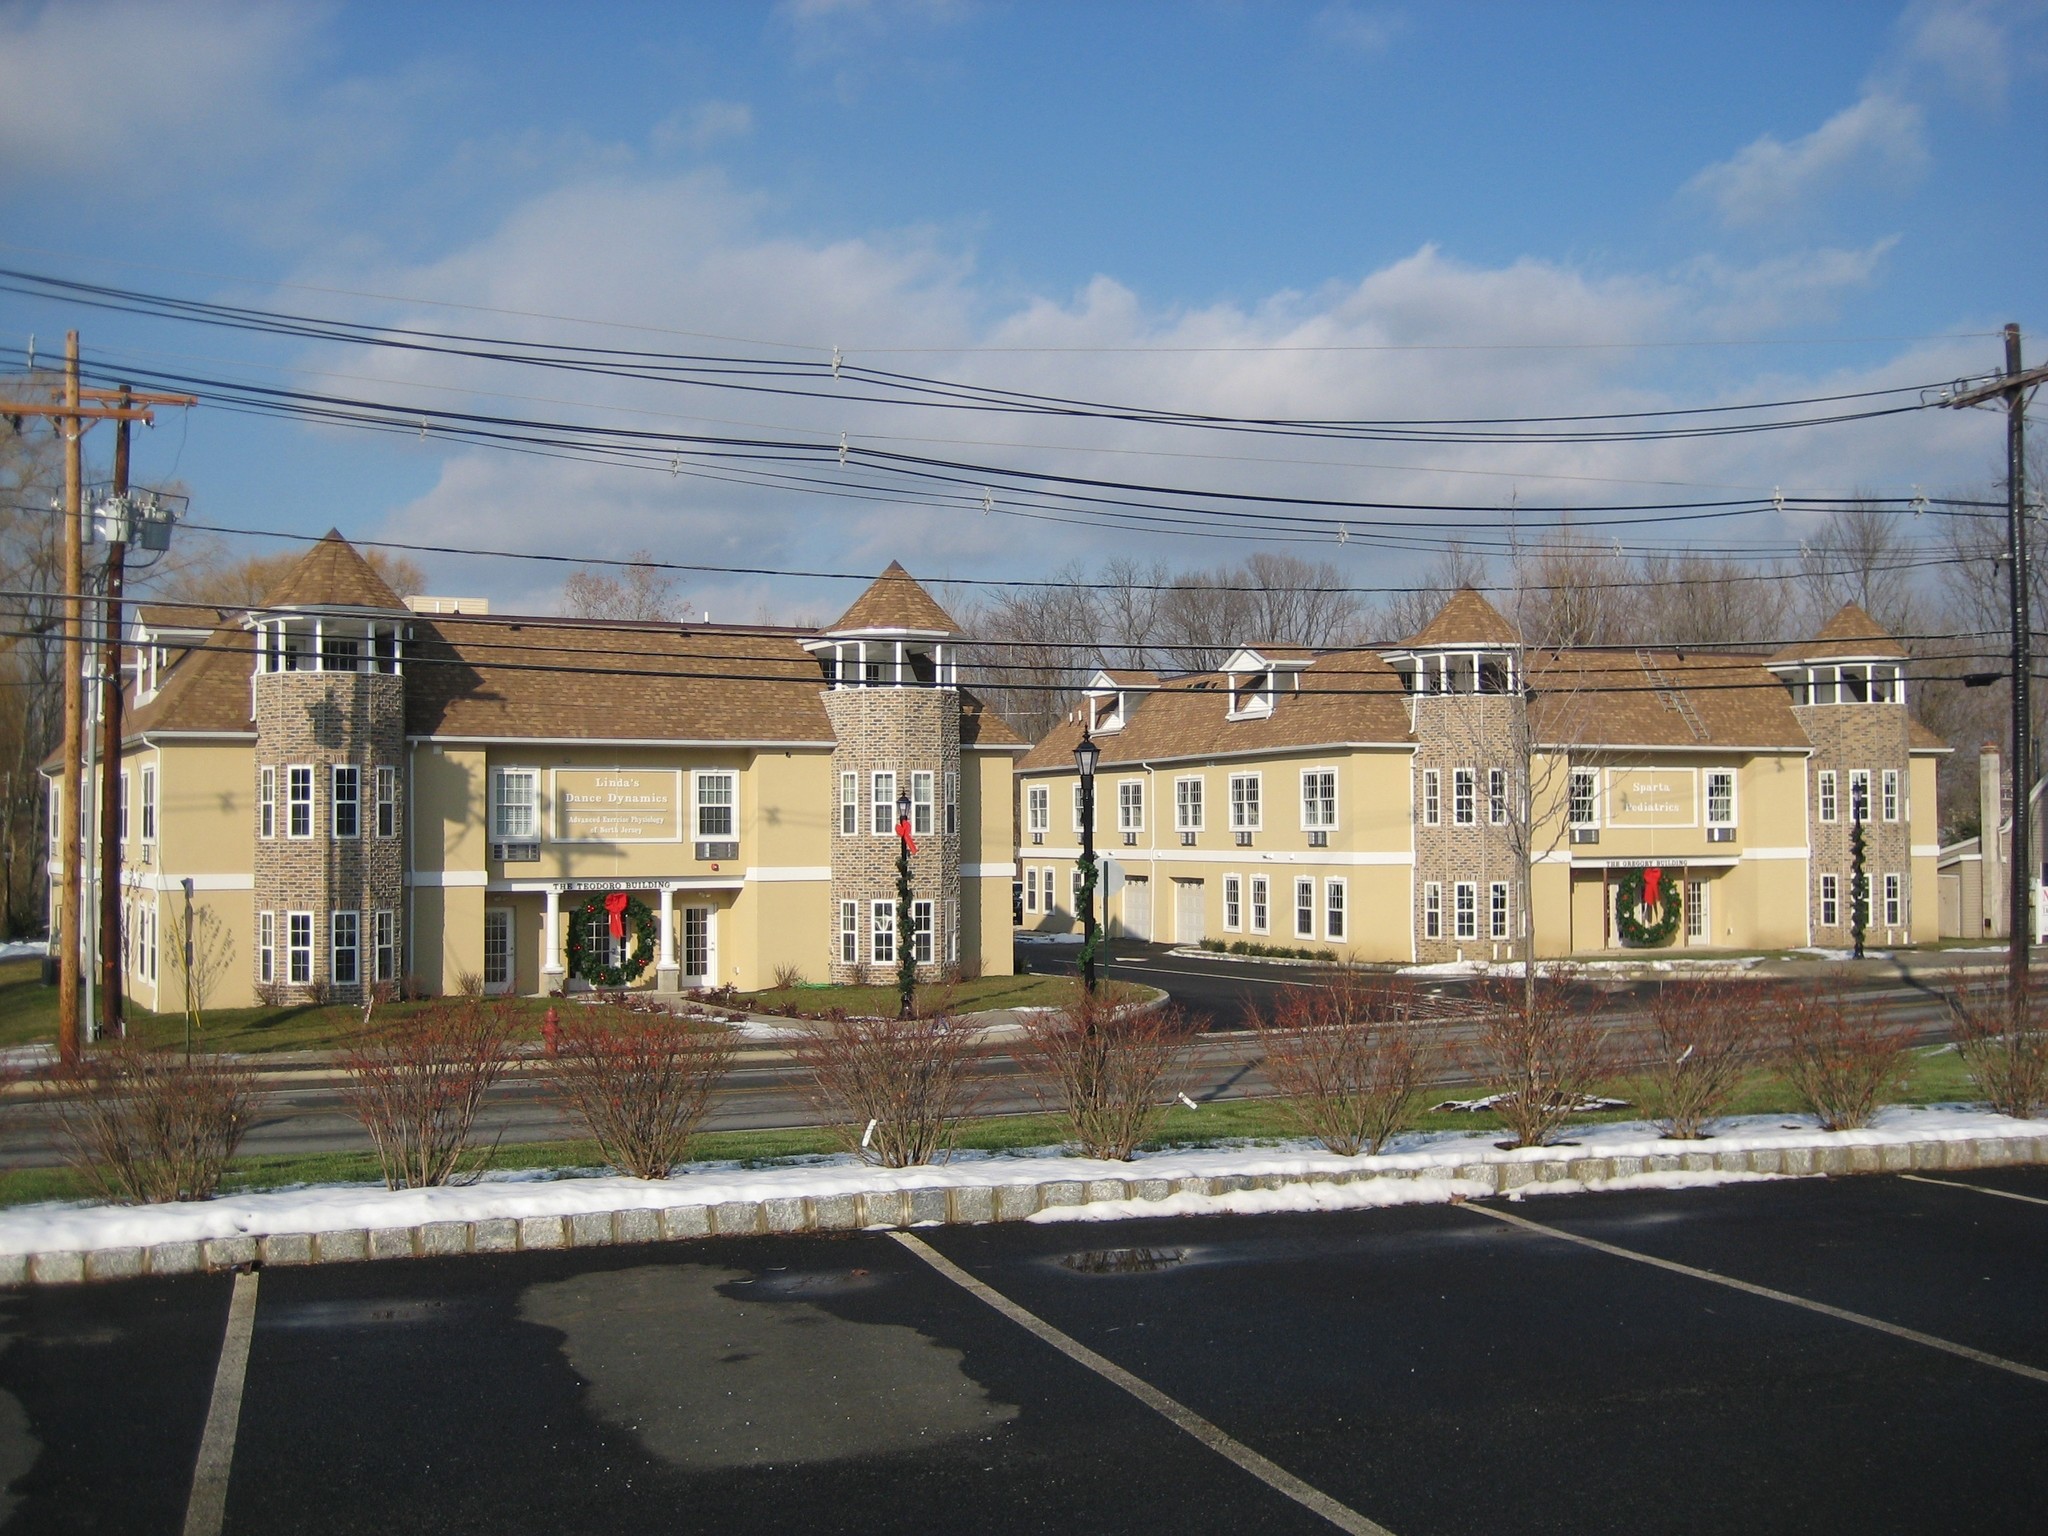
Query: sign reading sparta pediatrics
x=618, y=805
x=1652, y=797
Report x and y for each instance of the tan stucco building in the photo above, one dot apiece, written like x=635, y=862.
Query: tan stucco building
x=362, y=790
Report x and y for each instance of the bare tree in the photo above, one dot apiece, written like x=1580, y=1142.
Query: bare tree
x=1694, y=599
x=640, y=590
x=1863, y=554
x=210, y=575
x=1570, y=590
x=1454, y=568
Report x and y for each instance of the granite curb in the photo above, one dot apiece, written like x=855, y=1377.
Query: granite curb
x=974, y=1204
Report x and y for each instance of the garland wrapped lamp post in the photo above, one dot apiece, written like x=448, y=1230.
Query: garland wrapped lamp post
x=906, y=940
x=1859, y=888
x=1086, y=755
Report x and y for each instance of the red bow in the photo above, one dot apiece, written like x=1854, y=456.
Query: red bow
x=903, y=831
x=1652, y=879
x=615, y=904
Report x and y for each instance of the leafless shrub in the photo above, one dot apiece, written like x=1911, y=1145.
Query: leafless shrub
x=143, y=1126
x=1702, y=1039
x=640, y=1081
x=414, y=989
x=789, y=976
x=470, y=983
x=2004, y=1043
x=858, y=975
x=418, y=1083
x=273, y=994
x=911, y=1079
x=1350, y=1057
x=1540, y=1052
x=317, y=992
x=1836, y=1055
x=1106, y=1065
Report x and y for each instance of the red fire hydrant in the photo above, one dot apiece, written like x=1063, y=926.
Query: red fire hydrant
x=551, y=1032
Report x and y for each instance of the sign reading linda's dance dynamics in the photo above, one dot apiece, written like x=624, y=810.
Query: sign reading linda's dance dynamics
x=618, y=805
x=1652, y=797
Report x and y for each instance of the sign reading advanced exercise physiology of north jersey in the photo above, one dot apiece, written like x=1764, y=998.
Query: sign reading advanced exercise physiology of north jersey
x=1652, y=797
x=618, y=805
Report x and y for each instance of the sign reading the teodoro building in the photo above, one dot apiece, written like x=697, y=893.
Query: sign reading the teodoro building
x=1652, y=797
x=618, y=805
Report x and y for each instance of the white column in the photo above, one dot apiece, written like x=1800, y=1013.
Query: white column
x=668, y=929
x=551, y=934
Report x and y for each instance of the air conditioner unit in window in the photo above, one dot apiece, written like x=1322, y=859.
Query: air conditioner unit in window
x=708, y=851
x=1038, y=839
x=1187, y=839
x=1130, y=839
x=1244, y=839
x=1319, y=839
x=1585, y=834
x=516, y=853
x=1720, y=834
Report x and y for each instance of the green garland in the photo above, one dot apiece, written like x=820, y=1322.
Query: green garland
x=644, y=939
x=1630, y=900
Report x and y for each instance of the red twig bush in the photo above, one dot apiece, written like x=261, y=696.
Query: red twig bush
x=912, y=1080
x=1107, y=1068
x=416, y=1086
x=640, y=1082
x=2004, y=1043
x=1349, y=1057
x=1701, y=1040
x=1836, y=1055
x=143, y=1126
x=1540, y=1052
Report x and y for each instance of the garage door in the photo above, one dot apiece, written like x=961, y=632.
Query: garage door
x=1137, y=907
x=1187, y=912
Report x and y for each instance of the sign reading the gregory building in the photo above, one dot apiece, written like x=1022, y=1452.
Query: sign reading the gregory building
x=618, y=805
x=1652, y=797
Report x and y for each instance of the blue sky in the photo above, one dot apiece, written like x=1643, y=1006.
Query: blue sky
x=1828, y=196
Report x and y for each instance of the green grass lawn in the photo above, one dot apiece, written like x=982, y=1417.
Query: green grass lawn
x=980, y=995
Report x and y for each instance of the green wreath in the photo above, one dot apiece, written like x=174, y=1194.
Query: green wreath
x=582, y=963
x=1633, y=929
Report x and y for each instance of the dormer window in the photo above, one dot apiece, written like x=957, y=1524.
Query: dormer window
x=1251, y=697
x=879, y=663
x=1849, y=682
x=1451, y=671
x=329, y=643
x=1105, y=713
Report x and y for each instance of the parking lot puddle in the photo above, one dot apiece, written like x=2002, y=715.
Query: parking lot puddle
x=1122, y=1261
x=710, y=1378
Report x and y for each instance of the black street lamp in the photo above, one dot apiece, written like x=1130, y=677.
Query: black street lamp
x=1086, y=755
x=906, y=940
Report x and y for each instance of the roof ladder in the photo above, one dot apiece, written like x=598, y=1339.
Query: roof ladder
x=1671, y=695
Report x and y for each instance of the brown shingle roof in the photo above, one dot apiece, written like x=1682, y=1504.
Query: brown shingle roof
x=206, y=690
x=1851, y=632
x=1467, y=619
x=896, y=601
x=1660, y=698
x=333, y=575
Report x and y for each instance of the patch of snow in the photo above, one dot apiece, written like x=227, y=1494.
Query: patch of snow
x=33, y=949
x=1047, y=938
x=1585, y=1103
x=1837, y=955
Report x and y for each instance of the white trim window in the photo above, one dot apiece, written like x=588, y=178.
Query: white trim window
x=1464, y=797
x=1245, y=814
x=266, y=947
x=1233, y=903
x=121, y=810
x=387, y=801
x=1695, y=909
x=849, y=807
x=1038, y=809
x=1894, y=902
x=1825, y=792
x=922, y=784
x=1889, y=788
x=148, y=805
x=1260, y=891
x=298, y=934
x=1720, y=797
x=1187, y=805
x=849, y=927
x=952, y=806
x=1336, y=898
x=298, y=789
x=1093, y=809
x=515, y=804
x=1046, y=886
x=344, y=948
x=1432, y=797
x=384, y=938
x=1030, y=887
x=1130, y=805
x=1318, y=799
x=1859, y=794
x=1497, y=910
x=1432, y=910
x=1304, y=907
x=882, y=808
x=1465, y=910
x=1584, y=806
x=1830, y=901
x=498, y=949
x=882, y=927
x=717, y=797
x=346, y=783
x=266, y=803
x=952, y=931
x=1497, y=797
x=921, y=931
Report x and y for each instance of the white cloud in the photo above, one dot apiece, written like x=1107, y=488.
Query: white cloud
x=1878, y=139
x=1968, y=42
x=706, y=124
x=1367, y=30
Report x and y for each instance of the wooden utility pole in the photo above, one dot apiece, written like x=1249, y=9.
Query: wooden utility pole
x=2013, y=388
x=111, y=954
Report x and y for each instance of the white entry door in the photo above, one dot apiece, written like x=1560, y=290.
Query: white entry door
x=1187, y=912
x=1138, y=907
x=698, y=953
x=497, y=949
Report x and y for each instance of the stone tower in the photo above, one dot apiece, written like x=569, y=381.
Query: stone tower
x=1463, y=672
x=329, y=706
x=894, y=703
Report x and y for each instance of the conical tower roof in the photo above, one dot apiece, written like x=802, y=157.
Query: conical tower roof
x=895, y=603
x=332, y=574
x=1851, y=632
x=1466, y=619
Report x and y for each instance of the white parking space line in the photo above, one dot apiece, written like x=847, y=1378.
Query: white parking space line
x=1978, y=1189
x=1272, y=1475
x=208, y=1505
x=1841, y=1314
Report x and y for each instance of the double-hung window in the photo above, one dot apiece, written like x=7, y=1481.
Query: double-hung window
x=385, y=939
x=1584, y=808
x=298, y=783
x=882, y=920
x=1244, y=802
x=344, y=948
x=1464, y=797
x=299, y=947
x=1894, y=902
x=952, y=803
x=1859, y=794
x=1187, y=805
x=1077, y=806
x=1233, y=903
x=882, y=805
x=1030, y=888
x=1334, y=908
x=387, y=805
x=1720, y=797
x=266, y=946
x=1432, y=797
x=849, y=932
x=266, y=803
x=1497, y=910
x=1304, y=908
x=921, y=931
x=149, y=805
x=1466, y=910
x=515, y=804
x=849, y=807
x=1318, y=799
x=1259, y=889
x=1830, y=901
x=347, y=820
x=1890, y=790
x=1432, y=910
x=921, y=804
x=1825, y=792
x=1497, y=796
x=121, y=808
x=1038, y=810
x=1130, y=805
x=717, y=804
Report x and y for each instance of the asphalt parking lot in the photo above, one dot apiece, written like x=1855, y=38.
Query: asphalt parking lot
x=1417, y=1370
